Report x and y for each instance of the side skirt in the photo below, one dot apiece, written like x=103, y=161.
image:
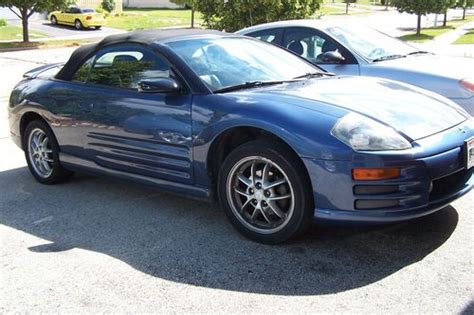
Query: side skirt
x=74, y=163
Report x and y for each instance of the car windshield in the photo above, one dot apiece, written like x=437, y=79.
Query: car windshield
x=231, y=61
x=369, y=43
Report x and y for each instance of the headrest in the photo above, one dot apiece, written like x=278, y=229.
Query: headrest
x=328, y=46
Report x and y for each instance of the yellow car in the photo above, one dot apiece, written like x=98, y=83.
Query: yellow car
x=78, y=17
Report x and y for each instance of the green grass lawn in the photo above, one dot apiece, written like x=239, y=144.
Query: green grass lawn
x=135, y=19
x=459, y=22
x=427, y=34
x=10, y=32
x=467, y=38
x=431, y=32
x=325, y=10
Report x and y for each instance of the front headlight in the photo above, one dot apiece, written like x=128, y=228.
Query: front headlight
x=364, y=134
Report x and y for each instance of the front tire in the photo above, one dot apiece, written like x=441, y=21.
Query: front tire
x=54, y=20
x=78, y=25
x=98, y=27
x=265, y=192
x=42, y=154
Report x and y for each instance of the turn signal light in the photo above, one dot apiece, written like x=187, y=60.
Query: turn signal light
x=89, y=17
x=468, y=84
x=375, y=173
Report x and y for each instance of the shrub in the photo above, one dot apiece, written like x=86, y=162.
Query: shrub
x=3, y=22
x=108, y=5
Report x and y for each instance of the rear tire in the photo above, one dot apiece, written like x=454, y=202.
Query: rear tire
x=98, y=27
x=78, y=25
x=54, y=20
x=265, y=192
x=42, y=154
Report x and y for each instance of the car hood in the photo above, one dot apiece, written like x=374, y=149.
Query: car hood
x=456, y=68
x=415, y=112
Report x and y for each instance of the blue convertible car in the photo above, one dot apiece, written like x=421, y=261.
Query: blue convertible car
x=276, y=140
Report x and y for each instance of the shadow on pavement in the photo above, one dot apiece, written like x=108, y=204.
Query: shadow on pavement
x=69, y=28
x=190, y=242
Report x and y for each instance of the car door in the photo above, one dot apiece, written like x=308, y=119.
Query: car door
x=131, y=131
x=312, y=44
x=64, y=16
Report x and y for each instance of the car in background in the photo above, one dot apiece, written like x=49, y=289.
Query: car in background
x=348, y=48
x=80, y=18
x=225, y=117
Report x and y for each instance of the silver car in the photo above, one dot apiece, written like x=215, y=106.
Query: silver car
x=353, y=49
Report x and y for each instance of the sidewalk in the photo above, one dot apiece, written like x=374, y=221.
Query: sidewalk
x=451, y=36
x=443, y=44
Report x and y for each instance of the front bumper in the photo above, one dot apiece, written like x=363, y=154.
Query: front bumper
x=429, y=181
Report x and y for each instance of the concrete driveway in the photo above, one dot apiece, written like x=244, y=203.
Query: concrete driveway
x=60, y=32
x=95, y=244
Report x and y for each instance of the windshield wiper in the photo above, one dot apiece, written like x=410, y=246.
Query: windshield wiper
x=311, y=75
x=390, y=57
x=419, y=52
x=247, y=85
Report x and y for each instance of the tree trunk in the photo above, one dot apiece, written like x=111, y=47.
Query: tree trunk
x=418, y=25
x=464, y=12
x=445, y=20
x=192, y=17
x=24, y=22
x=347, y=6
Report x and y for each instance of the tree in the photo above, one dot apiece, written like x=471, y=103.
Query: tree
x=189, y=4
x=419, y=7
x=24, y=9
x=464, y=4
x=447, y=5
x=232, y=15
x=348, y=3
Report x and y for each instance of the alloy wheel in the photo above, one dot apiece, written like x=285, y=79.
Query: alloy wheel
x=40, y=153
x=260, y=194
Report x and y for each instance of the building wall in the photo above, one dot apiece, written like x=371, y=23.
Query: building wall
x=97, y=3
x=149, y=4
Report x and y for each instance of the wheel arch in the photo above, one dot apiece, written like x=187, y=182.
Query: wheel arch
x=232, y=137
x=27, y=118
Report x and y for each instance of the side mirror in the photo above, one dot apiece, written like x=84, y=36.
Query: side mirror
x=332, y=57
x=159, y=85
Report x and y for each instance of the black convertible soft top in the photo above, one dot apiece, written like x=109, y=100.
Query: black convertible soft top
x=145, y=37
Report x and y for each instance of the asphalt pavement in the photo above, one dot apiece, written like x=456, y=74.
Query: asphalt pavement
x=99, y=245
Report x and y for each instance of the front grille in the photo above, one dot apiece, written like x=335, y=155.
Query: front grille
x=448, y=185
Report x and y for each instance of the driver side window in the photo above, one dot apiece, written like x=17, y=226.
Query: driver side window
x=309, y=44
x=122, y=67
